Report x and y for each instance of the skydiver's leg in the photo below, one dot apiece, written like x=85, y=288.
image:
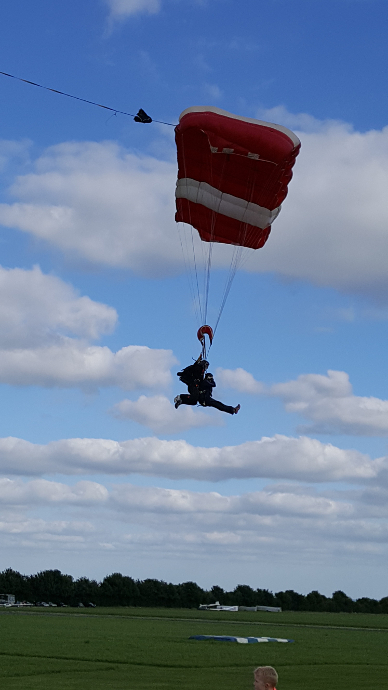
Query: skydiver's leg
x=210, y=402
x=185, y=399
x=188, y=399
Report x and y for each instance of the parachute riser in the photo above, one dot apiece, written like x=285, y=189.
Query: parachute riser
x=205, y=330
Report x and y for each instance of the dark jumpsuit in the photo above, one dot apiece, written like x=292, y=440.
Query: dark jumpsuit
x=192, y=376
x=206, y=399
x=200, y=389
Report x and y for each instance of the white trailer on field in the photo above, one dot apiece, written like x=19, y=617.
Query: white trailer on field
x=219, y=607
x=7, y=600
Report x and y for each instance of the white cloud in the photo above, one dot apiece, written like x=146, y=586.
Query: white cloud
x=37, y=309
x=73, y=364
x=121, y=9
x=329, y=402
x=212, y=91
x=129, y=498
x=332, y=229
x=159, y=414
x=39, y=313
x=47, y=530
x=11, y=151
x=101, y=203
x=303, y=122
x=240, y=380
x=197, y=505
x=148, y=520
x=277, y=457
x=41, y=491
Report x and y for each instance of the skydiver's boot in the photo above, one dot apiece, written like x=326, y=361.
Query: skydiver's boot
x=236, y=409
x=177, y=401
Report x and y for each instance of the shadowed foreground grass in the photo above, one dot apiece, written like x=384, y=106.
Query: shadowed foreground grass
x=96, y=652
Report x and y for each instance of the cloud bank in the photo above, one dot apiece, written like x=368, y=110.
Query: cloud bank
x=327, y=401
x=141, y=520
x=332, y=229
x=45, y=329
x=101, y=203
x=159, y=414
x=37, y=309
x=279, y=457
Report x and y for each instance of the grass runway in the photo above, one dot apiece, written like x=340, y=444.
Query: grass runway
x=139, y=649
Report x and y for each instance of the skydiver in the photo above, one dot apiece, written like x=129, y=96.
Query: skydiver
x=206, y=396
x=200, y=388
x=193, y=377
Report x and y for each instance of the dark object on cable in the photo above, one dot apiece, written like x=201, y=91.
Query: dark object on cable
x=142, y=117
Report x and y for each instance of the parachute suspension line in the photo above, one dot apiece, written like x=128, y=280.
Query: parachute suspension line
x=202, y=331
x=189, y=271
x=238, y=252
x=212, y=231
x=196, y=273
x=208, y=263
x=197, y=293
x=207, y=280
x=248, y=234
x=241, y=254
x=203, y=351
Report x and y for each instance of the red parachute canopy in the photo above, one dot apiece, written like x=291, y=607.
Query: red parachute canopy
x=233, y=174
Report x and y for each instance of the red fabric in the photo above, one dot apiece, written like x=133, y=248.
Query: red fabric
x=263, y=182
x=205, y=330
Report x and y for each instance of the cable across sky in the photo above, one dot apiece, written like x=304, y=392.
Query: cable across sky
x=139, y=117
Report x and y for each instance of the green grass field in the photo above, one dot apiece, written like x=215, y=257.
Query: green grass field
x=149, y=648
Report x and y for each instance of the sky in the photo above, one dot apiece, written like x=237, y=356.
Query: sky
x=98, y=472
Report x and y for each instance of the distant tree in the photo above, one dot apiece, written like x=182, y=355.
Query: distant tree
x=341, y=602
x=217, y=594
x=290, y=600
x=366, y=605
x=118, y=590
x=383, y=604
x=314, y=601
x=265, y=598
x=85, y=591
x=154, y=593
x=190, y=594
x=51, y=585
x=12, y=582
x=244, y=596
x=172, y=599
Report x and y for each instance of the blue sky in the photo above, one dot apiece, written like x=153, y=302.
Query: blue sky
x=99, y=473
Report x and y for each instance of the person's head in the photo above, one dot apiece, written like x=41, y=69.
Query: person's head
x=204, y=364
x=265, y=678
x=208, y=375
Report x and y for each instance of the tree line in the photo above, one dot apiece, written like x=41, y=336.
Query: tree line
x=122, y=590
